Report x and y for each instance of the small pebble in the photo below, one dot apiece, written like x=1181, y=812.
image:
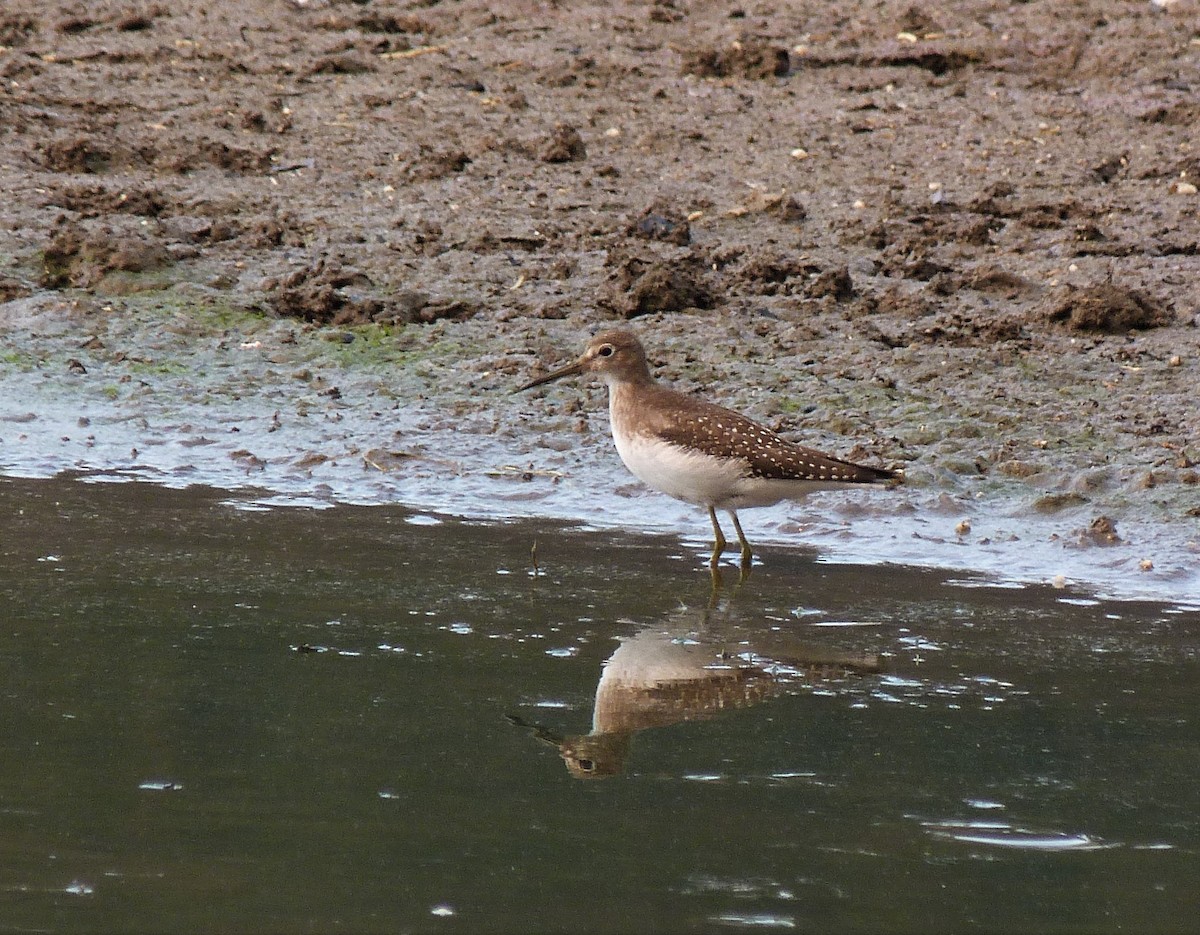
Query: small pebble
x=962, y=528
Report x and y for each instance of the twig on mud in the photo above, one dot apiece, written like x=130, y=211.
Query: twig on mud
x=375, y=457
x=511, y=470
x=294, y=166
x=413, y=53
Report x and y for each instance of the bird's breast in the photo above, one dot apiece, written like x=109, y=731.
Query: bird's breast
x=680, y=472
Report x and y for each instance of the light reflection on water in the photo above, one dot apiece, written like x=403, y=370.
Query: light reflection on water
x=219, y=719
x=1000, y=834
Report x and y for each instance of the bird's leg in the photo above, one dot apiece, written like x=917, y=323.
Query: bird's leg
x=718, y=538
x=747, y=555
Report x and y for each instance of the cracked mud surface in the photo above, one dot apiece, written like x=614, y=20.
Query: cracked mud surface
x=311, y=246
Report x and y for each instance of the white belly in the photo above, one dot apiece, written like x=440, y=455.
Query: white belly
x=685, y=475
x=697, y=478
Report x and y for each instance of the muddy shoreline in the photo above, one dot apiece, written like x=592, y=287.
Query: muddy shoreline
x=309, y=247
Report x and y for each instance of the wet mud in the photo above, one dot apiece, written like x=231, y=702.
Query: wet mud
x=254, y=244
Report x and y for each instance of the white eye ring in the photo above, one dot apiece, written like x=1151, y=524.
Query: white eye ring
x=605, y=350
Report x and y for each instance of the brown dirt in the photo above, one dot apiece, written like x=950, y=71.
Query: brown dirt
x=966, y=233
x=956, y=152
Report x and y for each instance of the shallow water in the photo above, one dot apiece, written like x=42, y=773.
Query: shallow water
x=226, y=410
x=219, y=717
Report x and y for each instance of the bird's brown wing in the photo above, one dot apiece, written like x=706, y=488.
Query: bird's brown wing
x=795, y=462
x=723, y=433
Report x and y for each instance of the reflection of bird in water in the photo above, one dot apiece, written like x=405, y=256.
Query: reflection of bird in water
x=664, y=675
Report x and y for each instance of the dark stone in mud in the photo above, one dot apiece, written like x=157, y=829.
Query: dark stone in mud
x=662, y=224
x=134, y=22
x=564, y=145
x=1107, y=308
x=746, y=59
x=76, y=24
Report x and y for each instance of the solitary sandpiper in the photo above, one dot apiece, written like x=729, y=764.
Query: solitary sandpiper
x=700, y=452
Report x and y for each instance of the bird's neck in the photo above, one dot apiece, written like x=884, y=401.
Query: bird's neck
x=629, y=377
x=628, y=400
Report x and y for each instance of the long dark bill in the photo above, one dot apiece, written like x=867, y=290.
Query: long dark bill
x=569, y=370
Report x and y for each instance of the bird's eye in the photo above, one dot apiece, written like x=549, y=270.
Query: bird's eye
x=606, y=350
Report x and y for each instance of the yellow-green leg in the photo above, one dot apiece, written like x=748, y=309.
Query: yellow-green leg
x=747, y=555
x=718, y=539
